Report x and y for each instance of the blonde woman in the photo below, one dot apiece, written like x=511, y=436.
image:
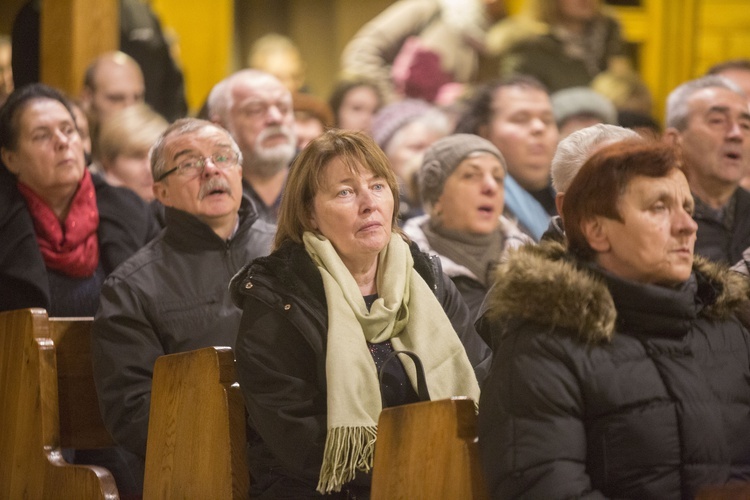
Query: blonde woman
x=124, y=142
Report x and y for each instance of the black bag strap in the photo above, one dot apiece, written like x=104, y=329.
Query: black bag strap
x=422, y=392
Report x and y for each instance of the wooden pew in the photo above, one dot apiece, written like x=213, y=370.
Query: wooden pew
x=37, y=387
x=731, y=491
x=196, y=435
x=81, y=424
x=428, y=450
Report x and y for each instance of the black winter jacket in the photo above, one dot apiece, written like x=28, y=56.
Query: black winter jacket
x=172, y=296
x=281, y=363
x=125, y=225
x=721, y=243
x=602, y=387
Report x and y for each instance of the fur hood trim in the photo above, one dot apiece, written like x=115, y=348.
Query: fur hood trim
x=545, y=284
x=734, y=288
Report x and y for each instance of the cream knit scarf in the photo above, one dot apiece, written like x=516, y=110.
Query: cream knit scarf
x=407, y=313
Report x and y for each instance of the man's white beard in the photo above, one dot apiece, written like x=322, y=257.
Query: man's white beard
x=266, y=162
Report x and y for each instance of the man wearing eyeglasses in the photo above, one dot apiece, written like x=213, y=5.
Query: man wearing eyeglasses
x=172, y=295
x=256, y=109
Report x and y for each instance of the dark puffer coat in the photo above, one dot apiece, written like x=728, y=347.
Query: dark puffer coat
x=281, y=365
x=602, y=387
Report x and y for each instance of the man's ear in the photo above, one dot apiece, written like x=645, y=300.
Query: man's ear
x=595, y=230
x=672, y=137
x=87, y=95
x=559, y=197
x=9, y=158
x=161, y=193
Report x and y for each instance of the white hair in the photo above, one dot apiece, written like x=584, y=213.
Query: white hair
x=573, y=151
x=221, y=100
x=677, y=102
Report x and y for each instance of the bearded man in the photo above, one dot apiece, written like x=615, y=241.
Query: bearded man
x=257, y=110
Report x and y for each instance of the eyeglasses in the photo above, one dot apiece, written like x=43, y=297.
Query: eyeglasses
x=194, y=165
x=257, y=109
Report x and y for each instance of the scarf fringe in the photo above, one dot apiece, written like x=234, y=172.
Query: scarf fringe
x=347, y=450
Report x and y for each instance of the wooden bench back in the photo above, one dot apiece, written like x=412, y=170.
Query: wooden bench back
x=196, y=435
x=31, y=464
x=428, y=450
x=81, y=424
x=731, y=491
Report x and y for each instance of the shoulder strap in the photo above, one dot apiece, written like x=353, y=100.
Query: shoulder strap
x=422, y=392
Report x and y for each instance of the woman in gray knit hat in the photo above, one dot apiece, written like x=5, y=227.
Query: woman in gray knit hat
x=461, y=185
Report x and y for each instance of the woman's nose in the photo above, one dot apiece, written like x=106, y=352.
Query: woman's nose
x=366, y=200
x=62, y=138
x=489, y=184
x=685, y=222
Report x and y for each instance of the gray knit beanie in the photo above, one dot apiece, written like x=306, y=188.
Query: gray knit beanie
x=576, y=101
x=442, y=158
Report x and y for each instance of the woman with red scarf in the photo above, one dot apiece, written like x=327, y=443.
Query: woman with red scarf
x=62, y=229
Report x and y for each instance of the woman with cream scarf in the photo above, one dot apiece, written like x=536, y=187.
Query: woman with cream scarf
x=341, y=291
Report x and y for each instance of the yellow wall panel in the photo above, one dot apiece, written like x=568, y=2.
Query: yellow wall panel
x=723, y=33
x=635, y=24
x=739, y=46
x=205, y=34
x=723, y=14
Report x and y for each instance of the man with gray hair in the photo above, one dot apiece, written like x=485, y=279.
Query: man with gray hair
x=257, y=110
x=172, y=295
x=572, y=152
x=709, y=120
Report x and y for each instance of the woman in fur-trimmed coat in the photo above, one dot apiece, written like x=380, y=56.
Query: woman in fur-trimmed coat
x=619, y=367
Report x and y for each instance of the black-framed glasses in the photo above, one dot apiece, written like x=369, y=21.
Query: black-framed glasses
x=194, y=165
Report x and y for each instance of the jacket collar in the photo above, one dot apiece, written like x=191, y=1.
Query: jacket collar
x=187, y=232
x=547, y=285
x=290, y=270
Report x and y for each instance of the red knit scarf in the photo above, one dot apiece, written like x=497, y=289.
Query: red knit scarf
x=70, y=247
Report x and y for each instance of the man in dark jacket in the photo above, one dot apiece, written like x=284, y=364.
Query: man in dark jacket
x=709, y=120
x=172, y=296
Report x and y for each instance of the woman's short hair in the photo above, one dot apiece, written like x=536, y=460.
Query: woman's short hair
x=604, y=178
x=306, y=177
x=11, y=111
x=129, y=132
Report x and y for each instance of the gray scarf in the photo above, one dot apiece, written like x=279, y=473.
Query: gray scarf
x=480, y=253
